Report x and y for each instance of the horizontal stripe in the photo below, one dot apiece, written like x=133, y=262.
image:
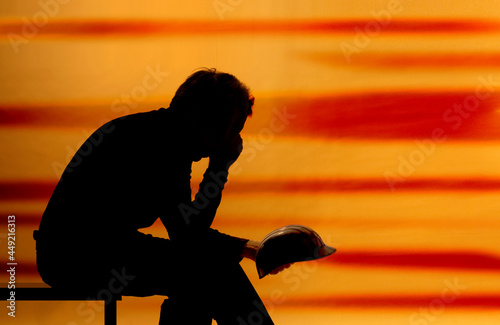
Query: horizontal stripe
x=383, y=115
x=431, y=60
x=26, y=190
x=67, y=115
x=19, y=29
x=363, y=185
x=449, y=300
x=395, y=115
x=40, y=190
x=464, y=261
x=456, y=261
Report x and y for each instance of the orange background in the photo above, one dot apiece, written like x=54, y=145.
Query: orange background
x=376, y=123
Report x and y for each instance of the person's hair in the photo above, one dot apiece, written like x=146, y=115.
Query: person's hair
x=213, y=96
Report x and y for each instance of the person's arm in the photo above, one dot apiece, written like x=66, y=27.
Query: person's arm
x=208, y=198
x=188, y=217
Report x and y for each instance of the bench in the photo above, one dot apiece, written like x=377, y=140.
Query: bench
x=49, y=294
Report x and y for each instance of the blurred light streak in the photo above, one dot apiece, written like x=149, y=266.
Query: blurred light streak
x=138, y=28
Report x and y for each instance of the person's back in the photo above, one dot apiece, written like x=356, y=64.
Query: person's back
x=120, y=179
x=127, y=174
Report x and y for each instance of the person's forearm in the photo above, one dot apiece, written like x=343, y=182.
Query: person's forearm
x=209, y=195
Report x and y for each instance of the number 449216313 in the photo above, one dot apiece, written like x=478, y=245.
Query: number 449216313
x=11, y=226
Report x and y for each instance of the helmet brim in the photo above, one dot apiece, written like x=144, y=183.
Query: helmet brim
x=326, y=251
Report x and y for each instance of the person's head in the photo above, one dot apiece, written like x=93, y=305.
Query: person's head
x=216, y=104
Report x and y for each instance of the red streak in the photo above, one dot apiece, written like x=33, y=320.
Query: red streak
x=459, y=301
x=385, y=115
x=387, y=61
x=394, y=115
x=455, y=260
x=40, y=190
x=26, y=190
x=137, y=28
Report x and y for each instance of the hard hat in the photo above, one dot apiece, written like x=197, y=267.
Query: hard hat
x=289, y=244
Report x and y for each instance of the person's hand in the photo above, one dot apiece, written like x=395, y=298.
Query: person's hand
x=250, y=249
x=228, y=152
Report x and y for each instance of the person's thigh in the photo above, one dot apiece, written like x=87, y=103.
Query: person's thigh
x=138, y=264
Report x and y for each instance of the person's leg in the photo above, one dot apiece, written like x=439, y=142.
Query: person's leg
x=201, y=284
x=160, y=267
x=218, y=290
x=235, y=300
x=177, y=312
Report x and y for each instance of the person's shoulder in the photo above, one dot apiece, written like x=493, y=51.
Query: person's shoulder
x=146, y=114
x=146, y=118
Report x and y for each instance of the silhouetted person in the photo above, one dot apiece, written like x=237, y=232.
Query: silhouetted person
x=136, y=169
